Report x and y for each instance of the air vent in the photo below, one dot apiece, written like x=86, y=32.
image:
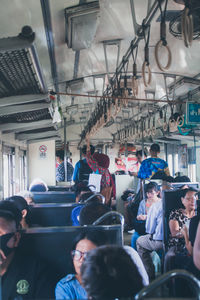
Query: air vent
x=81, y=25
x=184, y=85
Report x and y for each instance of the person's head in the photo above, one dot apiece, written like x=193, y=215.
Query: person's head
x=91, y=212
x=152, y=190
x=154, y=150
x=22, y=205
x=84, y=149
x=28, y=196
x=38, y=185
x=80, y=189
x=103, y=160
x=89, y=197
x=108, y=272
x=10, y=218
x=182, y=179
x=138, y=155
x=59, y=156
x=85, y=242
x=188, y=198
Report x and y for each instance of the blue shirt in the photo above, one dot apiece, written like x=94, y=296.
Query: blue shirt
x=142, y=208
x=154, y=221
x=152, y=165
x=60, y=172
x=69, y=288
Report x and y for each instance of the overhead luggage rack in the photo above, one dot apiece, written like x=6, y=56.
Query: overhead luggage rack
x=37, y=115
x=20, y=72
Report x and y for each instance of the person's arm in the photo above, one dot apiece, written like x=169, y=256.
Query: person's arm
x=151, y=220
x=196, y=252
x=141, y=215
x=174, y=229
x=188, y=245
x=76, y=172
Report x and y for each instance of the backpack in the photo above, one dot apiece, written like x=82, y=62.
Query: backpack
x=84, y=171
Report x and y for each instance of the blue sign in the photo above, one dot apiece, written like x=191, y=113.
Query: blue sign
x=193, y=113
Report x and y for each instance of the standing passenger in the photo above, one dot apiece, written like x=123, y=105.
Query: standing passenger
x=82, y=169
x=154, y=164
x=60, y=170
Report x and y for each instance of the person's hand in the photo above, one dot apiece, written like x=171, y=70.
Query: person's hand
x=88, y=143
x=141, y=217
x=2, y=256
x=184, y=231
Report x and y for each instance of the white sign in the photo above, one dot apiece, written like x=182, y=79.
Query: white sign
x=43, y=152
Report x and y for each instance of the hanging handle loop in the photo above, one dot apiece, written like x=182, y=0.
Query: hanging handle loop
x=146, y=65
x=163, y=42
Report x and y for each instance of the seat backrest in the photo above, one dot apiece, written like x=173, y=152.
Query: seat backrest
x=46, y=215
x=171, y=200
x=54, y=245
x=54, y=197
x=57, y=188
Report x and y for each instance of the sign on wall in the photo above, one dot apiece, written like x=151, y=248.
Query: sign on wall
x=193, y=113
x=43, y=152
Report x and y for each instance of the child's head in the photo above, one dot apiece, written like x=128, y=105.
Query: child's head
x=151, y=190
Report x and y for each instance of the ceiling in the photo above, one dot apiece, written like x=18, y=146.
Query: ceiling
x=44, y=62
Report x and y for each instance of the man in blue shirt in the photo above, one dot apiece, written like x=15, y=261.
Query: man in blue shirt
x=82, y=170
x=153, y=240
x=150, y=166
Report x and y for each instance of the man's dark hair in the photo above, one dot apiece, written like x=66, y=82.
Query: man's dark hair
x=21, y=204
x=155, y=148
x=182, y=179
x=84, y=197
x=84, y=149
x=108, y=272
x=185, y=191
x=139, y=152
x=91, y=212
x=10, y=212
x=60, y=154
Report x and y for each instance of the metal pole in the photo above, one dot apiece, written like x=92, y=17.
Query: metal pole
x=65, y=152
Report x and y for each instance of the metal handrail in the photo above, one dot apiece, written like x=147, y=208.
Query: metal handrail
x=92, y=196
x=108, y=214
x=165, y=278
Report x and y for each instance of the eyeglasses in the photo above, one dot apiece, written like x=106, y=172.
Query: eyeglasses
x=77, y=255
x=191, y=198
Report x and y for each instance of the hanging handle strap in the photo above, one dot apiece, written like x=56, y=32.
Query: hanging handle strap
x=163, y=41
x=146, y=65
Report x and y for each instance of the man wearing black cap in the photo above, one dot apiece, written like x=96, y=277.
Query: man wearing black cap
x=22, y=276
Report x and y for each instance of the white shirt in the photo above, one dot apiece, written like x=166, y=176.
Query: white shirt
x=137, y=260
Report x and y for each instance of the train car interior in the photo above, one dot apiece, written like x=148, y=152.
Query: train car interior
x=117, y=75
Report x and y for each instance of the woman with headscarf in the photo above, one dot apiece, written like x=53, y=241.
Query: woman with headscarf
x=100, y=162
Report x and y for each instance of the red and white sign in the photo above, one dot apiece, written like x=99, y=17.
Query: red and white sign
x=43, y=148
x=43, y=152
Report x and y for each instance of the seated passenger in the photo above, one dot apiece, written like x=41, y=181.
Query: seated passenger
x=153, y=240
x=196, y=254
x=151, y=191
x=93, y=211
x=28, y=196
x=80, y=189
x=22, y=277
x=177, y=220
x=22, y=205
x=84, y=198
x=70, y=287
x=38, y=185
x=109, y=273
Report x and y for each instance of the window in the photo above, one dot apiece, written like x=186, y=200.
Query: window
x=170, y=163
x=8, y=171
x=23, y=170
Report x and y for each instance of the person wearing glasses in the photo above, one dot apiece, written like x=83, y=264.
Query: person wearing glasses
x=70, y=287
